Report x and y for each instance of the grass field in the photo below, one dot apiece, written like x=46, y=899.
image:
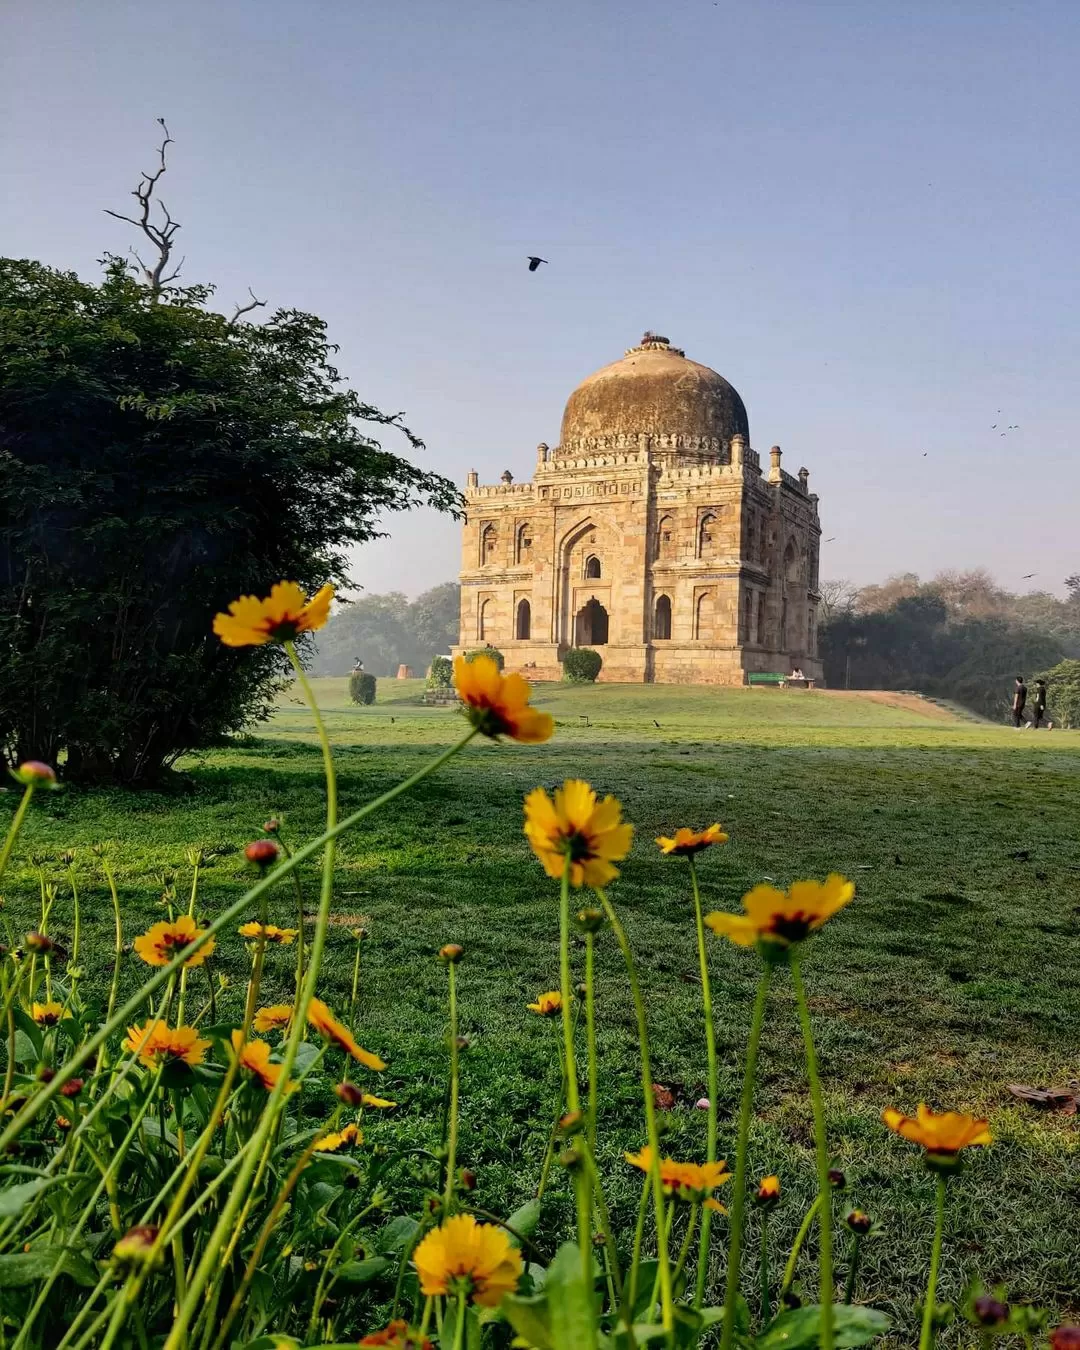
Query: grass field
x=954, y=972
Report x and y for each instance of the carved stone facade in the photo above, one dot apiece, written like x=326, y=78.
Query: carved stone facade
x=649, y=533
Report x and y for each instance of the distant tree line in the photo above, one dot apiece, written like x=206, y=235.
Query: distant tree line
x=959, y=636
x=387, y=631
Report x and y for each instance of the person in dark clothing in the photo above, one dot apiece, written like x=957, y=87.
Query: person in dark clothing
x=1019, y=702
x=1038, y=704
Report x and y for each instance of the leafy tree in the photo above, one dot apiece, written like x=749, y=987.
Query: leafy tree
x=1063, y=692
x=385, y=631
x=156, y=461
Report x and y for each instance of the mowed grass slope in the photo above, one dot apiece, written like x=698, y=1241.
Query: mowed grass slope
x=952, y=974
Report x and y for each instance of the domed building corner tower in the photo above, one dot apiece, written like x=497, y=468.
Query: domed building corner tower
x=650, y=533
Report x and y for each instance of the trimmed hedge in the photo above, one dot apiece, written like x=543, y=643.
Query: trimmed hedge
x=493, y=652
x=362, y=687
x=581, y=665
x=441, y=674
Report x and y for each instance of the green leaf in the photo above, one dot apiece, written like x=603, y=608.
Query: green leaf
x=570, y=1302
x=18, y=1268
x=398, y=1234
x=363, y=1272
x=15, y=1197
x=799, y=1328
x=526, y=1220
x=529, y=1318
x=448, y=1338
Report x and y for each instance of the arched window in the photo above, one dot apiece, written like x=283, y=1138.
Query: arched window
x=665, y=537
x=707, y=535
x=486, y=618
x=591, y=625
x=523, y=550
x=523, y=627
x=592, y=566
x=489, y=543
x=791, y=562
x=662, y=618
x=703, y=617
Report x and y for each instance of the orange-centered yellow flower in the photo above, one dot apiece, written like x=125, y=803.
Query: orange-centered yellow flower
x=498, y=704
x=345, y=1137
x=47, y=1014
x=783, y=919
x=283, y=615
x=942, y=1136
x=692, y=1182
x=326, y=1024
x=576, y=827
x=462, y=1254
x=268, y=932
x=687, y=842
x=547, y=1005
x=156, y=1044
x=768, y=1191
x=254, y=1056
x=376, y=1103
x=278, y=1015
x=163, y=941
x=398, y=1336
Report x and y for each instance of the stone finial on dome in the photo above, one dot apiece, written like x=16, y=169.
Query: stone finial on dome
x=653, y=342
x=506, y=476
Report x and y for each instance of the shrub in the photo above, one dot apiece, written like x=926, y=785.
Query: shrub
x=581, y=665
x=1063, y=693
x=493, y=652
x=362, y=687
x=441, y=674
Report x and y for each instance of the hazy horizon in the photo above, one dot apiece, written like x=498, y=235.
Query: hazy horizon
x=862, y=215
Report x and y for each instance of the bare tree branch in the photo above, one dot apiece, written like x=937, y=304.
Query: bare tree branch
x=161, y=236
x=256, y=303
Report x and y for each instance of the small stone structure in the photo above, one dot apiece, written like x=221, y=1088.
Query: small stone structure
x=649, y=532
x=404, y=672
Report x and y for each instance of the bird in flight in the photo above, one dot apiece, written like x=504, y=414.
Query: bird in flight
x=534, y=263
x=925, y=453
x=829, y=541
x=1028, y=575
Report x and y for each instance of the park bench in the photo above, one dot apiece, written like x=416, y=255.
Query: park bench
x=765, y=677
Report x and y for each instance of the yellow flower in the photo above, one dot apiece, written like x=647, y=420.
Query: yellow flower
x=693, y=1182
x=547, y=1005
x=577, y=827
x=347, y=1136
x=942, y=1136
x=687, y=842
x=156, y=1043
x=255, y=1057
x=326, y=1024
x=160, y=943
x=376, y=1103
x=768, y=1192
x=47, y=1014
x=464, y=1254
x=782, y=919
x=277, y=1015
x=269, y=932
x=498, y=704
x=282, y=616
x=398, y=1336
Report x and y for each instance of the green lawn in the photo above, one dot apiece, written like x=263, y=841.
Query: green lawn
x=952, y=974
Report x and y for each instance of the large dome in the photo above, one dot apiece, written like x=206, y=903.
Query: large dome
x=654, y=390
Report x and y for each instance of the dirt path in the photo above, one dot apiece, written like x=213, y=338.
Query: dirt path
x=893, y=699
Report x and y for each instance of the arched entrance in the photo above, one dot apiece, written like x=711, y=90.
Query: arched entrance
x=591, y=625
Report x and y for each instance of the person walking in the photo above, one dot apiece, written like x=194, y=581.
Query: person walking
x=1038, y=704
x=1019, y=702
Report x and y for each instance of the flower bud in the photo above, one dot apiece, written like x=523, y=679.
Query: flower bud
x=1065, y=1338
x=33, y=773
x=467, y=1179
x=136, y=1244
x=358, y=933
x=837, y=1180
x=72, y=1087
x=768, y=1192
x=63, y=1124
x=859, y=1222
x=45, y=1074
x=262, y=852
x=451, y=953
x=590, y=920
x=271, y=826
x=38, y=942
x=349, y=1093
x=572, y=1158
x=989, y=1311
x=572, y=1123
x=67, y=857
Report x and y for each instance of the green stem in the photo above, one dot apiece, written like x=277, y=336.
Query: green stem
x=354, y=996
x=86, y=1052
x=710, y=1049
x=821, y=1149
x=666, y=1300
x=573, y=1099
x=926, y=1340
x=738, y=1198
x=590, y=1038
x=766, y=1309
x=684, y=1250
x=459, y=1330
x=15, y=826
x=635, y=1258
x=797, y=1245
x=853, y=1267
x=455, y=1089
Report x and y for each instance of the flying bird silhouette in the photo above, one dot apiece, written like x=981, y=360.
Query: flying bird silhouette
x=829, y=540
x=534, y=263
x=925, y=453
x=1028, y=575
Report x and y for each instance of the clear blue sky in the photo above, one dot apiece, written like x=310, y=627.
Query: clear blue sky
x=863, y=213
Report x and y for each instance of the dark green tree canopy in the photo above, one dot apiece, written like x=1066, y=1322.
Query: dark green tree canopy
x=387, y=631
x=156, y=461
